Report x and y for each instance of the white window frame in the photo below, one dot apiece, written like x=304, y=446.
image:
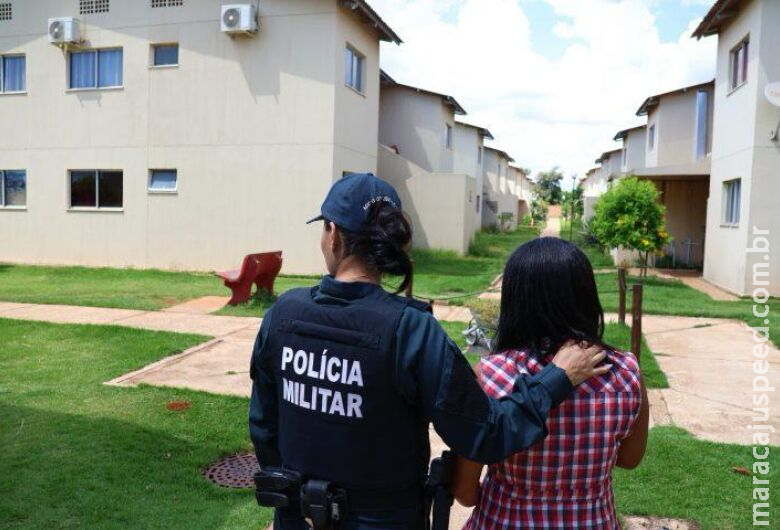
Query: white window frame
x=3, y=205
x=731, y=209
x=2, y=73
x=153, y=191
x=97, y=207
x=702, y=125
x=738, y=71
x=349, y=81
x=153, y=46
x=97, y=51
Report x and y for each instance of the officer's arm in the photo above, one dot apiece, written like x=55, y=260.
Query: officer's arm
x=433, y=372
x=263, y=407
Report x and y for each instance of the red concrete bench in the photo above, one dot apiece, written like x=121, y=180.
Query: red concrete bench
x=260, y=269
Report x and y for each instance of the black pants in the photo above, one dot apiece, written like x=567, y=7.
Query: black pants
x=401, y=519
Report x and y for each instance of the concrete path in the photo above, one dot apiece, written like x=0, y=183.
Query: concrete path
x=553, y=227
x=709, y=365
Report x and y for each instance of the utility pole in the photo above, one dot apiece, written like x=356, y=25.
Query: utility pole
x=571, y=215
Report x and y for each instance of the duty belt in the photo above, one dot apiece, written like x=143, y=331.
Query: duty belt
x=323, y=504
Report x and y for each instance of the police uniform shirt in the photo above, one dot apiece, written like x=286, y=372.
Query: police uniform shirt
x=432, y=374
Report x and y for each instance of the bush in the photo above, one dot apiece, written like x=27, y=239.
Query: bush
x=539, y=210
x=630, y=216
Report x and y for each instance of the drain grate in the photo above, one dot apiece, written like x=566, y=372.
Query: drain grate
x=235, y=471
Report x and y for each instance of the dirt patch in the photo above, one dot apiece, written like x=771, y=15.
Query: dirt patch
x=658, y=523
x=178, y=406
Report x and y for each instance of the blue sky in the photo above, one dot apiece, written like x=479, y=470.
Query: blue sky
x=552, y=79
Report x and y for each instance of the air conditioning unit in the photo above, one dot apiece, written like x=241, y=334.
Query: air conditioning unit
x=239, y=18
x=64, y=30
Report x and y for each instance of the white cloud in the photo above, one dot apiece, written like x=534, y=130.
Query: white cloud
x=544, y=112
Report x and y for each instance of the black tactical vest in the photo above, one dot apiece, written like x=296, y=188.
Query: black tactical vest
x=341, y=416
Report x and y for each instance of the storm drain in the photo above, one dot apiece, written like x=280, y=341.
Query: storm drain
x=235, y=471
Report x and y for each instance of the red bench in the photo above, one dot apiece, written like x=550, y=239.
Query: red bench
x=260, y=269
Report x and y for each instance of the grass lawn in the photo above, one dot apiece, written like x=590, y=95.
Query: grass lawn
x=687, y=478
x=672, y=297
x=79, y=454
x=118, y=288
x=438, y=274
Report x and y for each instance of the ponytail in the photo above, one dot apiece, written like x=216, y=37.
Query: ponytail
x=383, y=245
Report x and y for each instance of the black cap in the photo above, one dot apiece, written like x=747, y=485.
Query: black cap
x=349, y=200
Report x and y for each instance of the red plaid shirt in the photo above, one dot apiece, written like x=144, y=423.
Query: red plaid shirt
x=565, y=480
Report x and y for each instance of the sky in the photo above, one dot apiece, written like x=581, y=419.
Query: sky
x=553, y=80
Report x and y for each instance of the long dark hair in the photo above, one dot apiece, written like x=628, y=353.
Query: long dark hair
x=383, y=245
x=548, y=297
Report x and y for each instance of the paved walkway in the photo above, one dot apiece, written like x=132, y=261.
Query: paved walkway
x=553, y=227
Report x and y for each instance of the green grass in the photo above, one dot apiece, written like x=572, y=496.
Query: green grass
x=146, y=289
x=445, y=275
x=672, y=297
x=619, y=336
x=687, y=478
x=79, y=454
x=599, y=259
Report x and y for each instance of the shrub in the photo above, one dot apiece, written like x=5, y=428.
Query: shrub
x=630, y=216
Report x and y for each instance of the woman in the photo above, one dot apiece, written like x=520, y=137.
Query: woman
x=347, y=378
x=549, y=297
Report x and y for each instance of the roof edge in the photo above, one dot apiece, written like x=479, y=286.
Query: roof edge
x=386, y=33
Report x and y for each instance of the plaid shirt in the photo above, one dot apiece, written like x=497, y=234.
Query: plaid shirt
x=563, y=481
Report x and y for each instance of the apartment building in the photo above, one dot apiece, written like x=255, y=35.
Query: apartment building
x=170, y=134
x=469, y=158
x=634, y=142
x=522, y=188
x=744, y=185
x=417, y=154
x=678, y=140
x=594, y=184
x=499, y=205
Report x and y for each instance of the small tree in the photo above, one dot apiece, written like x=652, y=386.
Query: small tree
x=630, y=216
x=548, y=186
x=538, y=211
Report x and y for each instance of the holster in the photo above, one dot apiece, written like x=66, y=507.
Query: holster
x=437, y=491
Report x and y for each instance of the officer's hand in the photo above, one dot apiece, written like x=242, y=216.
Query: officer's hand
x=581, y=361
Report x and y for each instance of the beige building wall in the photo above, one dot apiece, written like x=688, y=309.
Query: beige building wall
x=469, y=149
x=742, y=149
x=635, y=150
x=415, y=122
x=496, y=189
x=440, y=205
x=258, y=129
x=674, y=119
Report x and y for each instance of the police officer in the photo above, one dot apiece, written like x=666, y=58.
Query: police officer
x=347, y=377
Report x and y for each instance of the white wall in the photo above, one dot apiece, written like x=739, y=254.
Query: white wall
x=741, y=149
x=635, y=146
x=468, y=143
x=258, y=129
x=415, y=122
x=440, y=205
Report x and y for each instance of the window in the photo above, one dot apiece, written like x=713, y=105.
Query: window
x=732, y=194
x=702, y=122
x=448, y=136
x=651, y=137
x=88, y=7
x=163, y=180
x=96, y=68
x=6, y=12
x=624, y=158
x=13, y=73
x=479, y=154
x=95, y=189
x=13, y=188
x=478, y=201
x=353, y=69
x=739, y=64
x=165, y=54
